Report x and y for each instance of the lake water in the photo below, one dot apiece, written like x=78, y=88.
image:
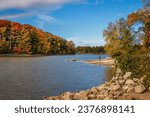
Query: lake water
x=35, y=77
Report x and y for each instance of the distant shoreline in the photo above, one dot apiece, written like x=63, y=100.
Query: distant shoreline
x=31, y=55
x=40, y=55
x=21, y=55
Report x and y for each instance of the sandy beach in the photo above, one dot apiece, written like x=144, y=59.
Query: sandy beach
x=107, y=62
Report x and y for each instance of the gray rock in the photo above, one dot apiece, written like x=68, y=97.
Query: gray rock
x=93, y=90
x=83, y=92
x=127, y=75
x=100, y=97
x=118, y=93
x=77, y=96
x=106, y=93
x=130, y=90
x=121, y=82
x=110, y=96
x=119, y=71
x=125, y=88
x=66, y=96
x=140, y=89
x=114, y=78
x=92, y=96
x=99, y=88
x=125, y=96
x=115, y=87
x=135, y=79
x=129, y=82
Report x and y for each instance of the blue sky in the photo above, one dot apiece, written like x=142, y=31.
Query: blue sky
x=81, y=21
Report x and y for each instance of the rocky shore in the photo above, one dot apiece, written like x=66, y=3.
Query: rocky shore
x=120, y=87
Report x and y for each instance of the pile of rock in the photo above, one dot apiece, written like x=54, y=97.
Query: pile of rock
x=119, y=86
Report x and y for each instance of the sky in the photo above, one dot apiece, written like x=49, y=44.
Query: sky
x=80, y=21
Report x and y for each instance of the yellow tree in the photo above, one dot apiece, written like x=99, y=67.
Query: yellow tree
x=118, y=38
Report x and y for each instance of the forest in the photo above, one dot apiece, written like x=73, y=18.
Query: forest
x=26, y=39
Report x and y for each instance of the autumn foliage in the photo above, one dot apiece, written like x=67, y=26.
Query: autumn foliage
x=26, y=39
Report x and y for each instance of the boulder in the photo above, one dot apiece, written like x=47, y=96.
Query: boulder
x=83, y=94
x=121, y=82
x=93, y=90
x=129, y=82
x=106, y=93
x=117, y=93
x=92, y=96
x=127, y=75
x=110, y=96
x=66, y=96
x=125, y=88
x=100, y=97
x=77, y=96
x=115, y=87
x=99, y=88
x=140, y=89
x=118, y=72
x=130, y=90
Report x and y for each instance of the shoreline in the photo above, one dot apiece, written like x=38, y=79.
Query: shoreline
x=21, y=55
x=31, y=55
x=119, y=88
x=106, y=62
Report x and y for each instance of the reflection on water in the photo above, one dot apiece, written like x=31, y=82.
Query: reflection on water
x=35, y=77
x=109, y=73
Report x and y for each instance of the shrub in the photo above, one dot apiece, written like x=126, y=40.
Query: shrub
x=139, y=65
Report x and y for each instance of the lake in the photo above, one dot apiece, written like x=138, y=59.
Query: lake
x=31, y=78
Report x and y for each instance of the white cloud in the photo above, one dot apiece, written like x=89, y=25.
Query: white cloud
x=46, y=18
x=6, y=4
x=73, y=38
x=42, y=20
x=86, y=42
x=12, y=16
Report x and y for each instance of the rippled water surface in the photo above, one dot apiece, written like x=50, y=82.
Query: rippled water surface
x=35, y=77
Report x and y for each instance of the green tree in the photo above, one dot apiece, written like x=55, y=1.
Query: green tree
x=118, y=37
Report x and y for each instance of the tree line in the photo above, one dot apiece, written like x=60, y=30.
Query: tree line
x=89, y=49
x=26, y=39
